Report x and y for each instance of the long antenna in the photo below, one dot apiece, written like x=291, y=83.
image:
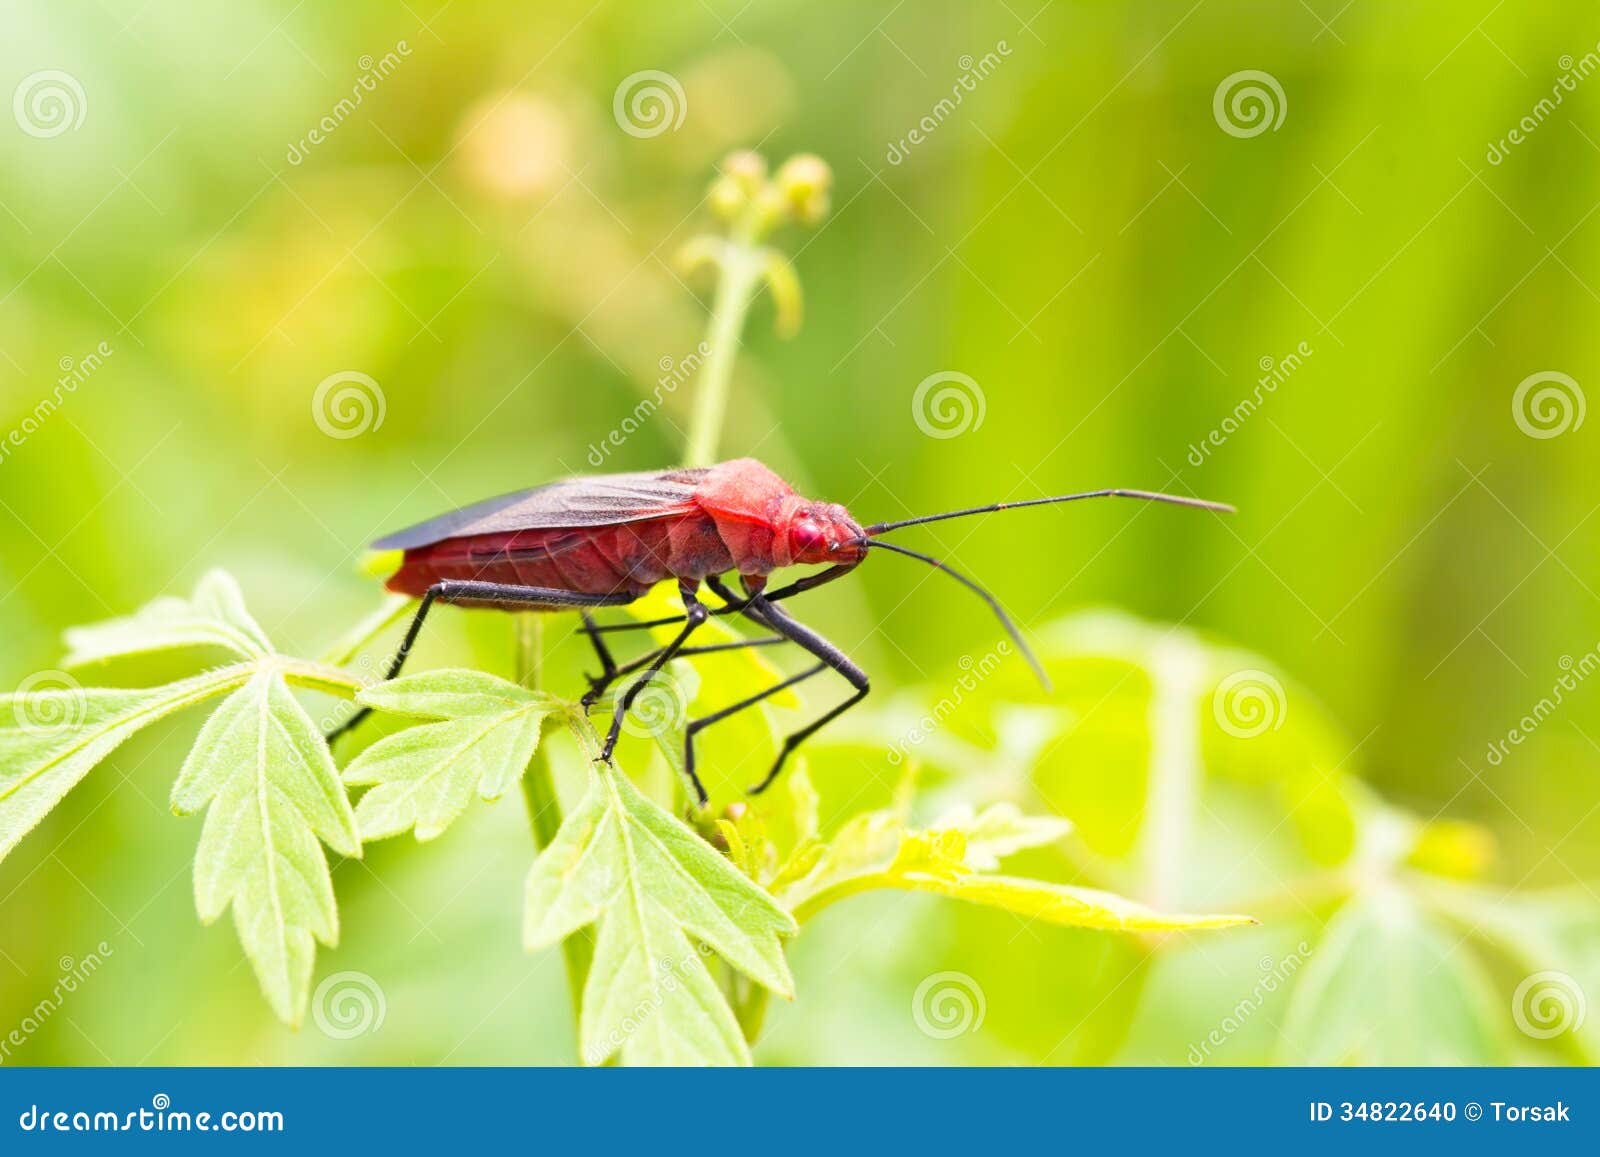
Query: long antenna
x=994, y=603
x=1147, y=495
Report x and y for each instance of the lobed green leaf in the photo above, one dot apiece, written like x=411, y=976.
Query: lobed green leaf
x=423, y=778
x=262, y=767
x=214, y=616
x=663, y=899
x=50, y=740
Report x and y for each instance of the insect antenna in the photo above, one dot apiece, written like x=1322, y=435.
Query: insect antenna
x=1146, y=495
x=972, y=585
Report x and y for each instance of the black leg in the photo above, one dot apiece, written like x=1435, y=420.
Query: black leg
x=611, y=672
x=807, y=639
x=698, y=725
x=608, y=665
x=480, y=594
x=736, y=604
x=598, y=687
x=695, y=615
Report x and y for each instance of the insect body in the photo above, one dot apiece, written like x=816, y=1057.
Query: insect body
x=605, y=540
x=623, y=533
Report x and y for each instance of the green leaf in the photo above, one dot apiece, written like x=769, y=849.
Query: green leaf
x=1174, y=746
x=875, y=850
x=1553, y=938
x=1388, y=986
x=424, y=776
x=262, y=766
x=214, y=616
x=655, y=888
x=49, y=740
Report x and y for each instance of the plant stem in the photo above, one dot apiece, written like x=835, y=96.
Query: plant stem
x=544, y=807
x=750, y=1007
x=741, y=274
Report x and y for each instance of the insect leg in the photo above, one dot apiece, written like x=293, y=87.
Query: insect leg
x=733, y=604
x=698, y=725
x=736, y=604
x=598, y=686
x=809, y=582
x=481, y=594
x=807, y=639
x=608, y=665
x=695, y=614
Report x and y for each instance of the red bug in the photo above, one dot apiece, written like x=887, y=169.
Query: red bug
x=604, y=540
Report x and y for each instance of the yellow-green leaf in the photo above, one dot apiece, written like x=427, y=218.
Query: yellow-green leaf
x=875, y=850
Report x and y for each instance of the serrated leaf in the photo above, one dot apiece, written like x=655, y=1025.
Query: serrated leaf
x=875, y=850
x=657, y=891
x=49, y=740
x=214, y=616
x=273, y=791
x=487, y=731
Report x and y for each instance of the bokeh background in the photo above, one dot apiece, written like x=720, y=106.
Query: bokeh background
x=1113, y=260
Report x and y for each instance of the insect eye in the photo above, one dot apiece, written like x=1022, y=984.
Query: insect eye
x=808, y=535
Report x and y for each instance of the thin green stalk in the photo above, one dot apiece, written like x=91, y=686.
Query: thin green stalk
x=544, y=807
x=740, y=266
x=736, y=288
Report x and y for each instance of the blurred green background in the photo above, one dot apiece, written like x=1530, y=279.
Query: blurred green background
x=1082, y=236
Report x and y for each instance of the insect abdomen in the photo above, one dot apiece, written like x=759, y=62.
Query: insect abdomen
x=628, y=557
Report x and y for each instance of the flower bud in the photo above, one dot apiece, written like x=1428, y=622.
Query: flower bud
x=746, y=167
x=805, y=181
x=727, y=198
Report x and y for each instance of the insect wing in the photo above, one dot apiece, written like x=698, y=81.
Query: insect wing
x=595, y=500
